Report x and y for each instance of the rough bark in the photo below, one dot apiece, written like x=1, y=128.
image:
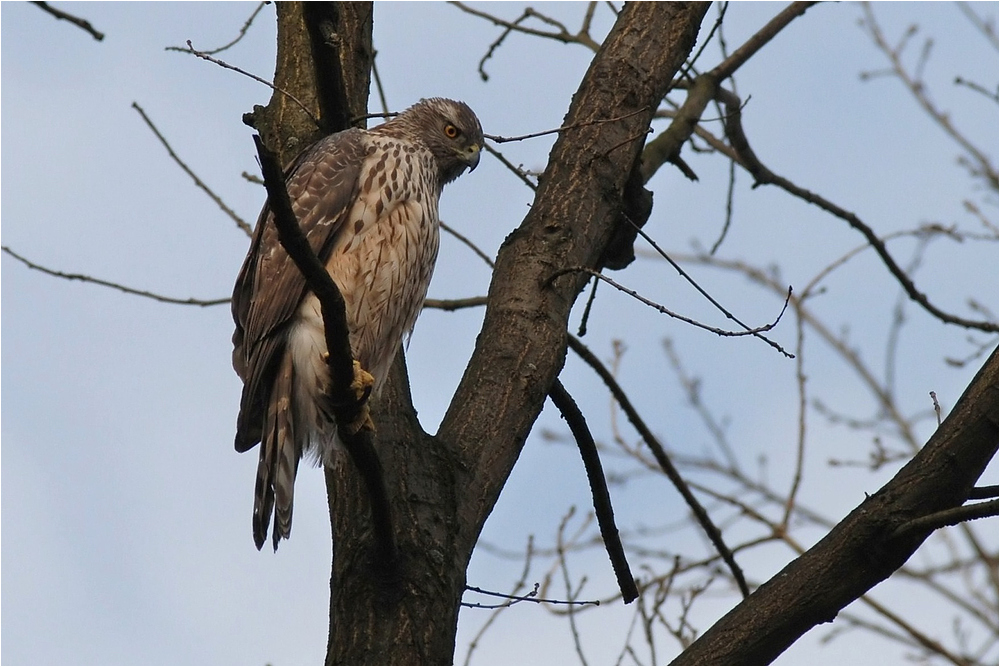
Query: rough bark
x=323, y=62
x=442, y=488
x=576, y=211
x=861, y=550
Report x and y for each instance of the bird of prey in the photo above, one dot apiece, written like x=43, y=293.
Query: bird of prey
x=367, y=201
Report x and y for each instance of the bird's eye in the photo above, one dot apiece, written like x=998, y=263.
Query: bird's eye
x=451, y=131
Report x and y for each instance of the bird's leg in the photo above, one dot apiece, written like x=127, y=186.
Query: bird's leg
x=357, y=396
x=361, y=385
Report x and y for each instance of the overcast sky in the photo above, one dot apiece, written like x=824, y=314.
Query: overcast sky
x=126, y=511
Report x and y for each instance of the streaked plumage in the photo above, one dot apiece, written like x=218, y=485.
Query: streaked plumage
x=367, y=201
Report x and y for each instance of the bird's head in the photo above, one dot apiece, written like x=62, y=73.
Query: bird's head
x=450, y=130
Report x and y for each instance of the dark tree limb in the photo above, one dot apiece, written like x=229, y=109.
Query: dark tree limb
x=862, y=550
x=83, y=24
x=666, y=465
x=598, y=489
x=980, y=492
x=577, y=206
x=764, y=176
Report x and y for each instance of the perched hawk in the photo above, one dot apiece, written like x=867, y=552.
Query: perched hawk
x=367, y=201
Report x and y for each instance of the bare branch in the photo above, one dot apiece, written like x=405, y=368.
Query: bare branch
x=728, y=67
x=764, y=176
x=499, y=609
x=666, y=311
x=468, y=243
x=519, y=172
x=241, y=35
x=455, y=304
x=987, y=27
x=530, y=597
x=500, y=139
x=204, y=56
x=121, y=288
x=598, y=488
x=662, y=459
x=75, y=20
x=914, y=84
x=949, y=517
x=240, y=222
x=561, y=35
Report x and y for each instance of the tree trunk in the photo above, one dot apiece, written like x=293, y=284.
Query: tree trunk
x=442, y=488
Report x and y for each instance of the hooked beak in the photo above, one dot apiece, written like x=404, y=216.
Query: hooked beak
x=471, y=156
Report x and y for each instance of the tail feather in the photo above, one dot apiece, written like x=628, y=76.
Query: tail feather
x=279, y=460
x=263, y=498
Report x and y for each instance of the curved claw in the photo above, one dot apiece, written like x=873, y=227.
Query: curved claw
x=362, y=386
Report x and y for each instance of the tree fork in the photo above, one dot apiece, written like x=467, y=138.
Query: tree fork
x=441, y=489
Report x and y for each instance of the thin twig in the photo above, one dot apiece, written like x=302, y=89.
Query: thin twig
x=525, y=572
x=243, y=32
x=921, y=638
x=240, y=222
x=117, y=286
x=584, y=123
x=520, y=173
x=937, y=406
x=83, y=24
x=563, y=35
x=917, y=88
x=948, y=517
x=204, y=56
x=564, y=567
x=802, y=410
x=986, y=27
x=666, y=311
x=465, y=240
x=530, y=597
x=764, y=176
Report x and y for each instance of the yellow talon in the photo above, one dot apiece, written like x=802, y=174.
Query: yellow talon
x=362, y=388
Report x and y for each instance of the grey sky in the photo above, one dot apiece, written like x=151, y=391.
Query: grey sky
x=126, y=511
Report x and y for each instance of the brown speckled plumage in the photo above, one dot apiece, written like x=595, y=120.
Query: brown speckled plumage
x=367, y=201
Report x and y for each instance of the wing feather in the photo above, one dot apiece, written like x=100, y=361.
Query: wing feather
x=322, y=185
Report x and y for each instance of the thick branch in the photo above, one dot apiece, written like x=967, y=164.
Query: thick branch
x=578, y=203
x=861, y=550
x=598, y=489
x=666, y=465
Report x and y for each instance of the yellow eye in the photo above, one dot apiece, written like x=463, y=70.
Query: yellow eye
x=451, y=131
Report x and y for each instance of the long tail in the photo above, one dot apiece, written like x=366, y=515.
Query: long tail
x=279, y=461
